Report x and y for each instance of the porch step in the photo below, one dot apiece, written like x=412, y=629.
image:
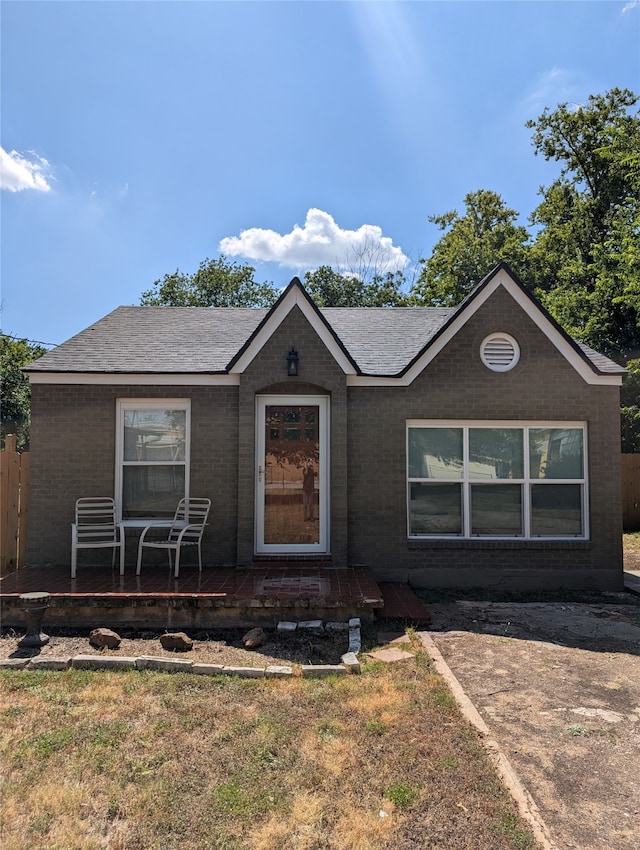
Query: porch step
x=400, y=602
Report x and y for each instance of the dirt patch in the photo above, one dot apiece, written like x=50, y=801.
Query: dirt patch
x=559, y=687
x=223, y=646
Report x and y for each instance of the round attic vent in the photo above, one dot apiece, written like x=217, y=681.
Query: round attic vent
x=500, y=352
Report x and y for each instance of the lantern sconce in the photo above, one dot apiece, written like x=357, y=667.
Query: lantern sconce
x=292, y=363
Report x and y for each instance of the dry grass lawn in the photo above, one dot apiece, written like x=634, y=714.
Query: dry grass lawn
x=631, y=542
x=146, y=761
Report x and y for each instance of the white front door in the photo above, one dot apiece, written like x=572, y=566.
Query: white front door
x=292, y=474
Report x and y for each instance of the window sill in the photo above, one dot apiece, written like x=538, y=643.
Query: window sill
x=511, y=543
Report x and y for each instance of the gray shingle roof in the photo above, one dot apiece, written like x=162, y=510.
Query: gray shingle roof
x=600, y=361
x=156, y=340
x=382, y=341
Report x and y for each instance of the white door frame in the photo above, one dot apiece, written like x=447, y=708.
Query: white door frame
x=322, y=546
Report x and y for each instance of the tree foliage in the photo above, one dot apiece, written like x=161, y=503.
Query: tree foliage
x=329, y=288
x=15, y=392
x=583, y=255
x=216, y=283
x=586, y=255
x=630, y=409
x=471, y=246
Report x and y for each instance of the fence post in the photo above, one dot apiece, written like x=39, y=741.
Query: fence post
x=13, y=493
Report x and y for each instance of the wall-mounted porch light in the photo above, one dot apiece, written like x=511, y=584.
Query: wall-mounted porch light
x=292, y=363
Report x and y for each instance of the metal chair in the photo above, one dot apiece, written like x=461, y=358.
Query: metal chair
x=186, y=529
x=96, y=527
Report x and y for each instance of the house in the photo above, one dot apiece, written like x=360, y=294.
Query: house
x=467, y=446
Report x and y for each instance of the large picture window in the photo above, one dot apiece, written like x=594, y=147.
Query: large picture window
x=152, y=457
x=499, y=480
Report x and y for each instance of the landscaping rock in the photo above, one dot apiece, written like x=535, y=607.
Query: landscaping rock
x=314, y=627
x=104, y=637
x=244, y=672
x=286, y=627
x=202, y=669
x=278, y=671
x=166, y=665
x=50, y=663
x=14, y=663
x=350, y=661
x=389, y=655
x=176, y=642
x=254, y=638
x=103, y=662
x=318, y=671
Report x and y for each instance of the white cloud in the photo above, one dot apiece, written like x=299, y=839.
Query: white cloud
x=18, y=173
x=630, y=5
x=319, y=242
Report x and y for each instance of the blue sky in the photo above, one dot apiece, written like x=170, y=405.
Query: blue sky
x=142, y=137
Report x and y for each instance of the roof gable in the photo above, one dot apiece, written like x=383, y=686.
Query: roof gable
x=591, y=369
x=293, y=296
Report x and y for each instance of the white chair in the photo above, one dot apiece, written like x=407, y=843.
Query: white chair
x=185, y=529
x=96, y=527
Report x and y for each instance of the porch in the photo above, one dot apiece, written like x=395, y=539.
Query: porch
x=216, y=597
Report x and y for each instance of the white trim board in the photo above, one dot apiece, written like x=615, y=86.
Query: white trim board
x=134, y=378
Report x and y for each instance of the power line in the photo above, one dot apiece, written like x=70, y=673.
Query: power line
x=31, y=341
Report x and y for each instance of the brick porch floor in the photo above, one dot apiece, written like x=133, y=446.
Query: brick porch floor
x=304, y=582
x=215, y=596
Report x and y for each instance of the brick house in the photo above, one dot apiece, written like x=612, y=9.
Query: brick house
x=467, y=446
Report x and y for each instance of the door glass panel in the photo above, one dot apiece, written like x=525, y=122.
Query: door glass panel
x=291, y=465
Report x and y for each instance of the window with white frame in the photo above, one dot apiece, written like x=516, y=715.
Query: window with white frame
x=496, y=480
x=152, y=456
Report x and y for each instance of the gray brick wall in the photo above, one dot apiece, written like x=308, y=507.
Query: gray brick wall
x=456, y=385
x=73, y=443
x=73, y=455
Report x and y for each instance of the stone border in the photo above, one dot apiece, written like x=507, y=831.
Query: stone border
x=164, y=664
x=525, y=802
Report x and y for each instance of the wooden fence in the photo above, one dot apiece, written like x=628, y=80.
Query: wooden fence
x=631, y=492
x=14, y=502
x=14, y=506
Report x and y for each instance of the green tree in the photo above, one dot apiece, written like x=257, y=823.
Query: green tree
x=216, y=283
x=472, y=244
x=630, y=409
x=15, y=392
x=329, y=288
x=586, y=254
